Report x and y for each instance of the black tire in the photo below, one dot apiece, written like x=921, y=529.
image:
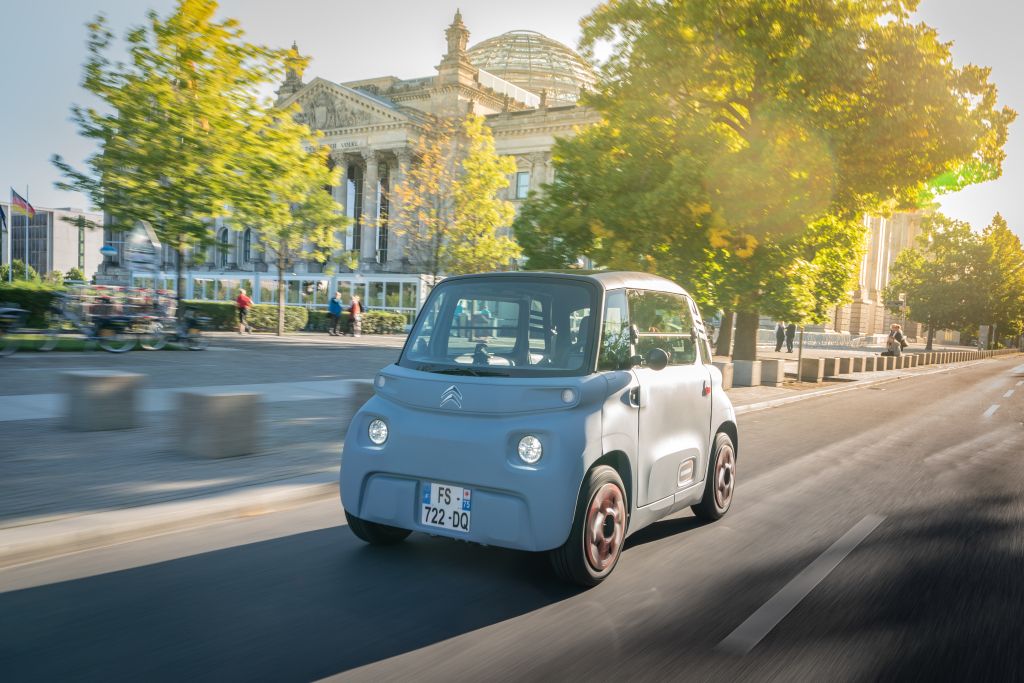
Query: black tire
x=153, y=338
x=588, y=559
x=720, y=482
x=373, y=533
x=114, y=341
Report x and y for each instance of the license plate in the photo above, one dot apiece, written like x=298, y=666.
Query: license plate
x=446, y=506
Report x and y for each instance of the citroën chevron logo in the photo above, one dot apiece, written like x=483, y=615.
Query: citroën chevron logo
x=452, y=396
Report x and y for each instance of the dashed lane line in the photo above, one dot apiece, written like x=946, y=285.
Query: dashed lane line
x=991, y=410
x=1009, y=393
x=759, y=624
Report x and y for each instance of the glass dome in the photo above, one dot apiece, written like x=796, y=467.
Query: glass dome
x=536, y=63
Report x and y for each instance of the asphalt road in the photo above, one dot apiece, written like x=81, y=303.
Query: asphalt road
x=877, y=534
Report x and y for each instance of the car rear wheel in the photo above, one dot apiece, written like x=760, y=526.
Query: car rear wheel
x=720, y=483
x=373, y=533
x=598, y=530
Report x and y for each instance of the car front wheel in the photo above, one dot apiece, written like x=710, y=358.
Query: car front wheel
x=720, y=483
x=598, y=530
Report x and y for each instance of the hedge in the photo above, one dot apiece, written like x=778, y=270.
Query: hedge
x=262, y=317
x=374, y=322
x=34, y=297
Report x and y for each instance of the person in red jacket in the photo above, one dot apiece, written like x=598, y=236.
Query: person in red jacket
x=243, y=303
x=355, y=317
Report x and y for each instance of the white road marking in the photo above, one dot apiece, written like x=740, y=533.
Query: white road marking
x=1009, y=393
x=1019, y=382
x=991, y=410
x=759, y=624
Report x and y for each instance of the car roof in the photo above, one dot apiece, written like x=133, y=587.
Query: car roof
x=606, y=279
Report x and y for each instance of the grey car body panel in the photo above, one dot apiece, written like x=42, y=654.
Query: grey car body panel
x=472, y=442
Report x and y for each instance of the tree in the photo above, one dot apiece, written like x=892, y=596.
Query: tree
x=172, y=129
x=16, y=271
x=75, y=274
x=743, y=139
x=1002, y=280
x=287, y=203
x=452, y=219
x=943, y=277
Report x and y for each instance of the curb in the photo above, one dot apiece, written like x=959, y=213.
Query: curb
x=46, y=540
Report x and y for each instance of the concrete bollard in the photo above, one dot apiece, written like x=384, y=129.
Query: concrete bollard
x=219, y=424
x=869, y=363
x=845, y=366
x=890, y=362
x=727, y=373
x=831, y=367
x=746, y=373
x=97, y=400
x=812, y=369
x=858, y=364
x=911, y=361
x=773, y=372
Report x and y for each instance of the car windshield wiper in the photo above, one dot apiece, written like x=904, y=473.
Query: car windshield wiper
x=468, y=371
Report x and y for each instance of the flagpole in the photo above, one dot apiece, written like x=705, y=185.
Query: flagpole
x=26, y=232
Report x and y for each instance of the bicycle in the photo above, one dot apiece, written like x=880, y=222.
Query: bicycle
x=12, y=324
x=188, y=332
x=109, y=330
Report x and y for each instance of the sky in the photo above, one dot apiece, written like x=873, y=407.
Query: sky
x=43, y=47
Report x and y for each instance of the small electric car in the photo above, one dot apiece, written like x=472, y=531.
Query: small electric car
x=545, y=412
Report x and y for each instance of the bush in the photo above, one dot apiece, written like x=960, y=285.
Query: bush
x=263, y=317
x=318, y=321
x=34, y=297
x=382, y=322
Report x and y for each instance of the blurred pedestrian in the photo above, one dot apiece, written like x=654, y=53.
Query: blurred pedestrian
x=355, y=317
x=334, y=314
x=790, y=336
x=243, y=303
x=780, y=336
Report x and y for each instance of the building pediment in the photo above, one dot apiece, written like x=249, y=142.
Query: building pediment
x=330, y=106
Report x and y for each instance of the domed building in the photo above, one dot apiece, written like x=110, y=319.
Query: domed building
x=524, y=84
x=536, y=63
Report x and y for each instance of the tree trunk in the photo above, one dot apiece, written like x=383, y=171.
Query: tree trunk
x=931, y=336
x=179, y=271
x=745, y=347
x=723, y=346
x=280, y=293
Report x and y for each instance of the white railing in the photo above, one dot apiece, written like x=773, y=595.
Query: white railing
x=811, y=339
x=503, y=87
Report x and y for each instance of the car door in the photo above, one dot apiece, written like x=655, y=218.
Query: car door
x=675, y=402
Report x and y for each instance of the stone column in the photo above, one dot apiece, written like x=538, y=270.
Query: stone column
x=396, y=248
x=538, y=170
x=369, y=235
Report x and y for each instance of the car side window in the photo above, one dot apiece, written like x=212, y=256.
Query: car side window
x=614, y=352
x=663, y=320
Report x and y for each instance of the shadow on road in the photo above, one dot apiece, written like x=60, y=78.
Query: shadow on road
x=294, y=608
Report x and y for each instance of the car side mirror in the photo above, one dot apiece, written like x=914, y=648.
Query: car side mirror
x=657, y=359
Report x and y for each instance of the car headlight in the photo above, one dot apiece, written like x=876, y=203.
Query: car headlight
x=530, y=449
x=378, y=431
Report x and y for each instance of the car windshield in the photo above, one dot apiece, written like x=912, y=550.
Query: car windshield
x=505, y=327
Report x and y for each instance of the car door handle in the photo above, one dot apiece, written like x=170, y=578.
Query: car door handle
x=634, y=397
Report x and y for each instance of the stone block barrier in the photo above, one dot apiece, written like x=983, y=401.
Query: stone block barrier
x=845, y=365
x=870, y=363
x=727, y=373
x=812, y=370
x=219, y=424
x=97, y=400
x=831, y=367
x=746, y=373
x=773, y=372
x=858, y=364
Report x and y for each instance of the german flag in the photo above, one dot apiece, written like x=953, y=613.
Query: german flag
x=21, y=205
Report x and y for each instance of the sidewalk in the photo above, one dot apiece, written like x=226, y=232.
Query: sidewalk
x=63, y=491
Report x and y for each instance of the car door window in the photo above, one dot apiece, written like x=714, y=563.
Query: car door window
x=663, y=320
x=615, y=351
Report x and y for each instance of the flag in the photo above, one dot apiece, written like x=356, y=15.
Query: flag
x=21, y=205
x=3, y=219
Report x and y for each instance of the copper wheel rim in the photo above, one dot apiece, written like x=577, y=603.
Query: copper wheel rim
x=605, y=527
x=725, y=476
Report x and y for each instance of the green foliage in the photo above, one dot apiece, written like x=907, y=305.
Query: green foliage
x=743, y=139
x=55, y=278
x=452, y=220
x=262, y=317
x=943, y=277
x=34, y=297
x=383, y=322
x=1003, y=279
x=18, y=266
x=176, y=130
x=75, y=274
